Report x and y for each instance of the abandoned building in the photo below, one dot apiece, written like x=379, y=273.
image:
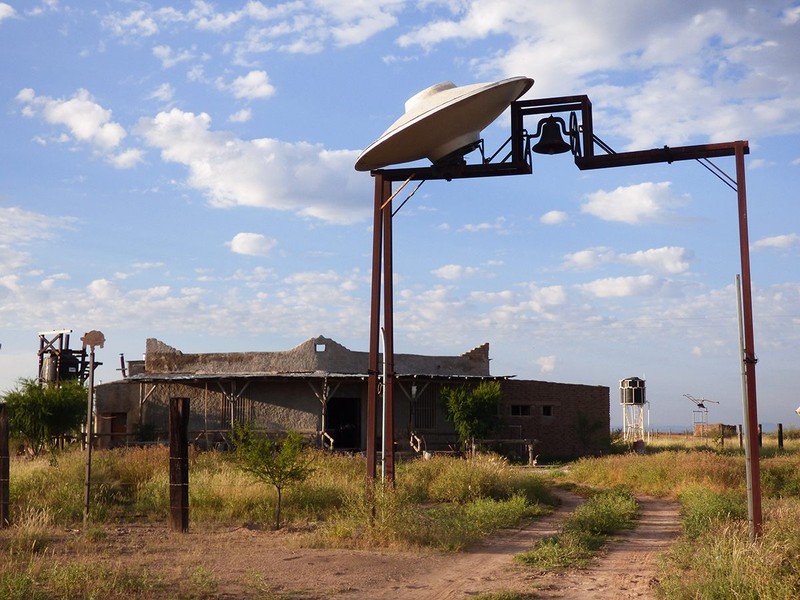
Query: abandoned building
x=320, y=389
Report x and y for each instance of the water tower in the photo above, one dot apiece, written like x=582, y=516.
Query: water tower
x=633, y=398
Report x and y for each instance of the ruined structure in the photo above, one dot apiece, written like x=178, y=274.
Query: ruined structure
x=319, y=388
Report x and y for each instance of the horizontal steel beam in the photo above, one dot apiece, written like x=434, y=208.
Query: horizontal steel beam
x=449, y=172
x=666, y=154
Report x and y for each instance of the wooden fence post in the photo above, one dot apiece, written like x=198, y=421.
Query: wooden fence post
x=179, y=464
x=780, y=436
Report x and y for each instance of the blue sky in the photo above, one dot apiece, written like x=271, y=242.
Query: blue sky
x=185, y=171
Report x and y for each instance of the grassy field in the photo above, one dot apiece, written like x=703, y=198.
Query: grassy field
x=444, y=503
x=715, y=557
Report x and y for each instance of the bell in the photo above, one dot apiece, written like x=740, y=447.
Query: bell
x=550, y=141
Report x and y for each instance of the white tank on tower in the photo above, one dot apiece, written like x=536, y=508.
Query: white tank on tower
x=633, y=397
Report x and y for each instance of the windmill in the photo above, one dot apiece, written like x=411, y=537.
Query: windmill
x=700, y=413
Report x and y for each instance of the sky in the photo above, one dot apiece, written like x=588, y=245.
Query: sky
x=185, y=171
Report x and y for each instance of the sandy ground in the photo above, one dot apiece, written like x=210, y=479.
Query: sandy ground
x=244, y=563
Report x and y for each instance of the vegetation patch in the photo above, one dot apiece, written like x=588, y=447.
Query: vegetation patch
x=585, y=531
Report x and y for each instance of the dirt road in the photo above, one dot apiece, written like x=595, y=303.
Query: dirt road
x=246, y=564
x=627, y=569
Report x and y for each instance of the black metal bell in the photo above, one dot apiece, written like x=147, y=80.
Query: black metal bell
x=550, y=141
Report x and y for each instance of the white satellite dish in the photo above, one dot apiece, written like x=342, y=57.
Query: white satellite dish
x=441, y=120
x=798, y=410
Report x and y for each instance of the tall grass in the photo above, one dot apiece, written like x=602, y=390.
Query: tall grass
x=662, y=474
x=132, y=484
x=715, y=558
x=721, y=561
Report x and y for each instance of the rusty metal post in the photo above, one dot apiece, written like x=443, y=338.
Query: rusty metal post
x=5, y=460
x=388, y=325
x=87, y=491
x=374, y=331
x=179, y=464
x=754, y=472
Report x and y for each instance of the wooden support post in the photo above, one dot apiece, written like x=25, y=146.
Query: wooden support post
x=780, y=436
x=5, y=518
x=179, y=464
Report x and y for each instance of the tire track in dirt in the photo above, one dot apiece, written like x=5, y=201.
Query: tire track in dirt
x=629, y=566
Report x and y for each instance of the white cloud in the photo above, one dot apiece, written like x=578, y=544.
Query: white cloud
x=102, y=289
x=137, y=23
x=791, y=15
x=554, y=217
x=669, y=259
x=169, y=58
x=241, y=116
x=453, y=272
x=621, y=287
x=782, y=242
x=634, y=204
x=19, y=226
x=163, y=93
x=86, y=120
x=662, y=73
x=587, y=259
x=300, y=177
x=126, y=159
x=291, y=26
x=547, y=364
x=6, y=11
x=362, y=20
x=758, y=163
x=253, y=85
x=251, y=244
x=499, y=225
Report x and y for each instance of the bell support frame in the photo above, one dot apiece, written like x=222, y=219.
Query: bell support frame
x=518, y=161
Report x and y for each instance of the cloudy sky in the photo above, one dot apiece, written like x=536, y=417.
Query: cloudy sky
x=185, y=171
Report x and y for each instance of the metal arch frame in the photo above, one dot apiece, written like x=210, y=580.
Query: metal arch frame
x=518, y=162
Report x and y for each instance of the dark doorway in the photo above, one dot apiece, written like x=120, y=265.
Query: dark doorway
x=343, y=423
x=119, y=429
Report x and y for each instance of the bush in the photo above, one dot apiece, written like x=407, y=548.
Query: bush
x=43, y=415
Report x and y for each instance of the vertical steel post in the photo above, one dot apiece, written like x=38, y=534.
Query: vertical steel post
x=374, y=330
x=89, y=427
x=5, y=460
x=749, y=345
x=179, y=464
x=388, y=325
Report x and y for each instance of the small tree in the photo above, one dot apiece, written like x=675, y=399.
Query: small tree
x=473, y=412
x=281, y=464
x=43, y=415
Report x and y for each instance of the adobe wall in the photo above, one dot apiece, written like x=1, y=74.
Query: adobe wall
x=316, y=354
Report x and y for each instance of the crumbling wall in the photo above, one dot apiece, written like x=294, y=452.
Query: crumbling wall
x=316, y=354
